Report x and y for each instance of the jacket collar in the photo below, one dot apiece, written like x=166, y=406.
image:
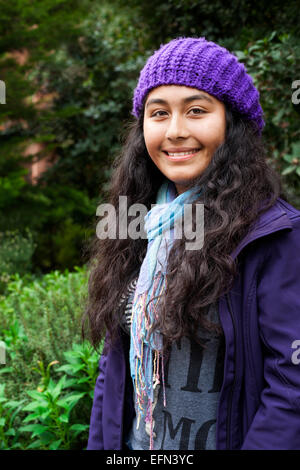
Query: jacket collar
x=273, y=220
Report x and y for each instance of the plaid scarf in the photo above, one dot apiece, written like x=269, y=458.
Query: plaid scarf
x=146, y=350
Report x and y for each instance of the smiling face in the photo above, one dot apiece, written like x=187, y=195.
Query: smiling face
x=183, y=127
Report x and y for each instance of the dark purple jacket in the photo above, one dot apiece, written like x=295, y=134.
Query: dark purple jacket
x=259, y=405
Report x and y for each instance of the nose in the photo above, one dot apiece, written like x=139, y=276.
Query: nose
x=177, y=128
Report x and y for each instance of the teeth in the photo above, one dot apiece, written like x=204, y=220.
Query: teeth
x=181, y=154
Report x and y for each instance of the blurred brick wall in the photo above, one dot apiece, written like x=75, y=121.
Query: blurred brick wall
x=41, y=101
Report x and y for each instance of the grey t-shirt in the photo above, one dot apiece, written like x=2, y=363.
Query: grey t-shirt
x=193, y=380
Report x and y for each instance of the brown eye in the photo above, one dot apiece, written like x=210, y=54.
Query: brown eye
x=196, y=111
x=158, y=113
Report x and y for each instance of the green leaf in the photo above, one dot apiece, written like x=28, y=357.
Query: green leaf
x=35, y=429
x=45, y=414
x=6, y=370
x=70, y=401
x=72, y=369
x=273, y=34
x=79, y=427
x=31, y=417
x=56, y=391
x=11, y=404
x=55, y=445
x=71, y=382
x=83, y=380
x=240, y=55
x=288, y=170
x=288, y=158
x=65, y=368
x=298, y=170
x=36, y=406
x=64, y=418
x=36, y=395
x=35, y=445
x=296, y=149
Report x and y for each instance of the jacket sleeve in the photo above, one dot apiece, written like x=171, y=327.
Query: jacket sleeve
x=276, y=424
x=95, y=441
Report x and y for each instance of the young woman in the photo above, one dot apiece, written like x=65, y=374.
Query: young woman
x=201, y=348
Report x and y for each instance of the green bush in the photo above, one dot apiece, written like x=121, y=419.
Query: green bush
x=274, y=63
x=65, y=225
x=58, y=411
x=40, y=320
x=50, y=373
x=9, y=434
x=16, y=251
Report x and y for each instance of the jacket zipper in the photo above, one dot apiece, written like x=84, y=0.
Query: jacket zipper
x=228, y=439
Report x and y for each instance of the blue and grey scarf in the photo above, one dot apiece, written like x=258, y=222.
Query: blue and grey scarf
x=145, y=349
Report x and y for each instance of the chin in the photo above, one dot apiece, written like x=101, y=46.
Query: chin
x=183, y=182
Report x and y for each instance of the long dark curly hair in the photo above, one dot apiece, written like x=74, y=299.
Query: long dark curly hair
x=237, y=186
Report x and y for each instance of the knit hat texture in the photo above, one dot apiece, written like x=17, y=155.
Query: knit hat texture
x=202, y=64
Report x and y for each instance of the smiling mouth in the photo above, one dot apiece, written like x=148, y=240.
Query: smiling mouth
x=181, y=155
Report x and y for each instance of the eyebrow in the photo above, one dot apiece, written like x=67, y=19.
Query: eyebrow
x=200, y=96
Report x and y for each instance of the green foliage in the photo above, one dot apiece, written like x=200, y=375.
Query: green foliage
x=16, y=252
x=293, y=160
x=53, y=414
x=35, y=27
x=80, y=368
x=237, y=21
x=41, y=25
x=93, y=83
x=29, y=33
x=40, y=319
x=53, y=405
x=11, y=187
x=64, y=227
x=60, y=219
x=50, y=374
x=270, y=61
x=9, y=433
x=57, y=410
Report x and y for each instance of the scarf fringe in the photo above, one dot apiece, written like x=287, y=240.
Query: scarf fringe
x=147, y=351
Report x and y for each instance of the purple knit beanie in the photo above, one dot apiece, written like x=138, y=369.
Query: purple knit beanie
x=202, y=64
